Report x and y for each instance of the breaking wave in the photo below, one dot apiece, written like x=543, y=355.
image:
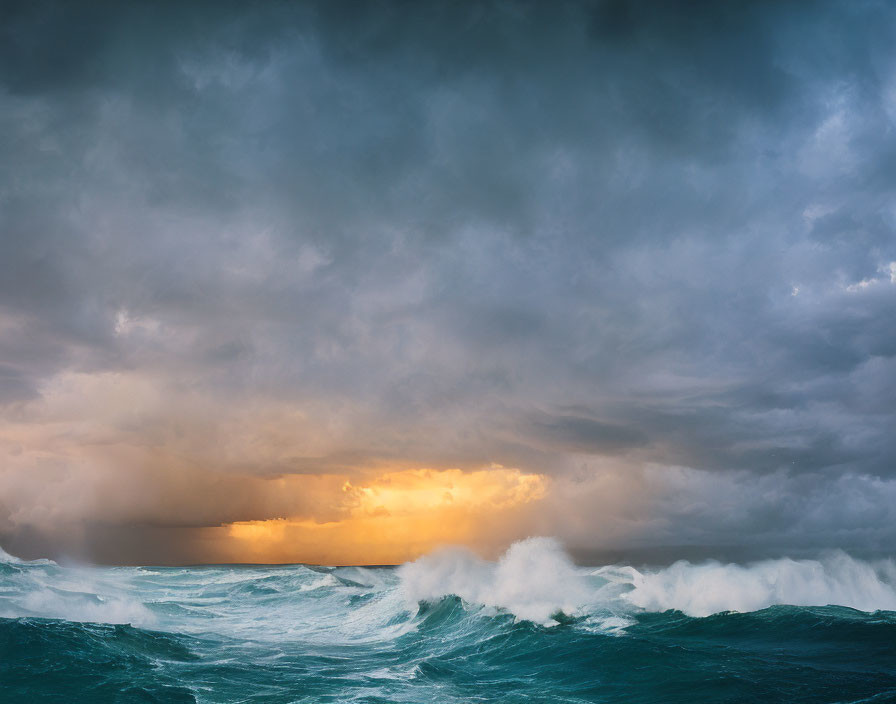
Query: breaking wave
x=713, y=587
x=535, y=580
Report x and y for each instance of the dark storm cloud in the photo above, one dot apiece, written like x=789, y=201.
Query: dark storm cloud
x=582, y=434
x=531, y=234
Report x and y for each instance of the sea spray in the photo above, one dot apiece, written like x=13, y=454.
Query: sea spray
x=712, y=587
x=534, y=580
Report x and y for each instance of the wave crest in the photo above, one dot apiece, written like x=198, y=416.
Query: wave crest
x=534, y=580
x=713, y=587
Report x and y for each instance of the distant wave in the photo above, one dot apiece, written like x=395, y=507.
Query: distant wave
x=534, y=581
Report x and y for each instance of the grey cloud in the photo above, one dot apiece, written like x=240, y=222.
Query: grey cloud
x=424, y=220
x=573, y=433
x=14, y=384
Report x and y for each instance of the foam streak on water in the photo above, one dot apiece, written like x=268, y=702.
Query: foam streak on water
x=450, y=627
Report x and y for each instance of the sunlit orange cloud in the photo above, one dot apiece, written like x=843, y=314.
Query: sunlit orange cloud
x=397, y=516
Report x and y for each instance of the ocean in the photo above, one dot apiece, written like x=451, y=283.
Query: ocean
x=531, y=627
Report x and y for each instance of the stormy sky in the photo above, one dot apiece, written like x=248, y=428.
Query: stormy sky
x=619, y=272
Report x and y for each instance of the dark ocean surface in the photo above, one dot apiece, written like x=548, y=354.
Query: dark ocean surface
x=451, y=628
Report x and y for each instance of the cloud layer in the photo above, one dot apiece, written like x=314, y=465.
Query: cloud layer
x=644, y=250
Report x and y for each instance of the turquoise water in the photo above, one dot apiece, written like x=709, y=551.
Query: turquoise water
x=450, y=628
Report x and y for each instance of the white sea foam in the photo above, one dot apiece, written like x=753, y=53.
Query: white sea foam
x=72, y=595
x=534, y=580
x=6, y=557
x=712, y=587
x=77, y=607
x=326, y=580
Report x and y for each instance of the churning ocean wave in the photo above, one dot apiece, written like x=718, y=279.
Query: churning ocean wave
x=531, y=627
